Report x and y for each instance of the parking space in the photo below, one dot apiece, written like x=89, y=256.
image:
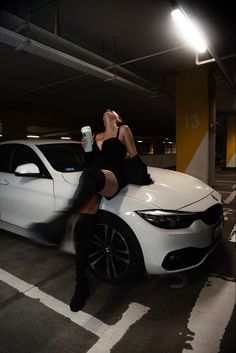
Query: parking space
x=191, y=311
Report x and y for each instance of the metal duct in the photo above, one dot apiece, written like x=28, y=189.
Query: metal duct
x=17, y=41
x=18, y=24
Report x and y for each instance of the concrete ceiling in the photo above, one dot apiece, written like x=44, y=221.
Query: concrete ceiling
x=141, y=47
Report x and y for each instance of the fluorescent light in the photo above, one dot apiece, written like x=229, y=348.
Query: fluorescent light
x=140, y=141
x=65, y=138
x=189, y=31
x=33, y=136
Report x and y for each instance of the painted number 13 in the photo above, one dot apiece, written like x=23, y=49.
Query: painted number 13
x=192, y=121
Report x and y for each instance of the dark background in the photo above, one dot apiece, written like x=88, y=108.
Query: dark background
x=140, y=43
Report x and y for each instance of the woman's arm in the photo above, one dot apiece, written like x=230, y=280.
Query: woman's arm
x=128, y=140
x=137, y=166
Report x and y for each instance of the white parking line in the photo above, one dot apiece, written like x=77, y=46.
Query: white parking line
x=210, y=316
x=227, y=213
x=117, y=331
x=232, y=196
x=108, y=335
x=232, y=236
x=225, y=181
x=224, y=192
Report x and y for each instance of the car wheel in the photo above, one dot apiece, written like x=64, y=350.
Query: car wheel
x=115, y=253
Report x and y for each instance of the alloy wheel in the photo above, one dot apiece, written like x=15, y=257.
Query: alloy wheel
x=109, y=254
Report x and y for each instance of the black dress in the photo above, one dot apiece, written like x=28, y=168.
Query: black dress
x=110, y=157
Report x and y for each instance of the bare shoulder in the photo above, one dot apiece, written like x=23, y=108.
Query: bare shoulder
x=124, y=129
x=98, y=135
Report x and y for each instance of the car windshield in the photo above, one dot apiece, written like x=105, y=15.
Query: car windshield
x=64, y=157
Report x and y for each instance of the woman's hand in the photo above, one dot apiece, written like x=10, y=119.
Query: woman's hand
x=84, y=142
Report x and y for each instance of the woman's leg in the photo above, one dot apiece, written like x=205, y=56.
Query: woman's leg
x=52, y=232
x=85, y=201
x=111, y=185
x=82, y=233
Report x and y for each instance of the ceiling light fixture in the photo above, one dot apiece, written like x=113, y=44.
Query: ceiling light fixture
x=65, y=138
x=33, y=136
x=189, y=31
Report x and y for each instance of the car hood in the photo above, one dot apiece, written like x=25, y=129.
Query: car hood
x=171, y=190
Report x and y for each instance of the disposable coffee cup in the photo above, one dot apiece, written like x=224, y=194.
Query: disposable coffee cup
x=87, y=134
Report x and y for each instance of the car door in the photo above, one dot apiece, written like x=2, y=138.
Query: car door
x=23, y=199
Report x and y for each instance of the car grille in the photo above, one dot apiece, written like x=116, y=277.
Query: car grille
x=212, y=214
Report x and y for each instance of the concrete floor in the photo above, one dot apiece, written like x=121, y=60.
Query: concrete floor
x=190, y=312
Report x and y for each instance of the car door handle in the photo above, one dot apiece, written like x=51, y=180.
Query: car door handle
x=3, y=181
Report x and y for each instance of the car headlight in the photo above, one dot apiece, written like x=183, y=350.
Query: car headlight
x=168, y=219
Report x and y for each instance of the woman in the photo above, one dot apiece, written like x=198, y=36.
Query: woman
x=104, y=176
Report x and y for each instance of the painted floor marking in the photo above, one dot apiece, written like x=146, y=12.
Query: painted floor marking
x=210, y=316
x=224, y=181
x=108, y=335
x=232, y=236
x=232, y=196
x=117, y=331
x=224, y=192
x=227, y=213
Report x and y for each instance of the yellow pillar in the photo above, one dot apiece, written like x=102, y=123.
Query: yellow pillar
x=231, y=143
x=195, y=124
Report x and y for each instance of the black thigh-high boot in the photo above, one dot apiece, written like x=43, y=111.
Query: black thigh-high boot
x=51, y=233
x=82, y=235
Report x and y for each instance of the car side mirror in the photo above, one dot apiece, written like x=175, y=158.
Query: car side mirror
x=28, y=169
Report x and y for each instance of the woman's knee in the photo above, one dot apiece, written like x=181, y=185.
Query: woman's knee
x=91, y=178
x=92, y=206
x=111, y=185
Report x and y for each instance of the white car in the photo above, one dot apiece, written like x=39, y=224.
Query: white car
x=169, y=226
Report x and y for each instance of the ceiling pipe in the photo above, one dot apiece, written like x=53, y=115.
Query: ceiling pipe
x=167, y=51
x=182, y=4
x=201, y=62
x=17, y=41
x=222, y=68
x=14, y=22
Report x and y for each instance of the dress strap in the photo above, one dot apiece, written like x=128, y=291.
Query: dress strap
x=117, y=135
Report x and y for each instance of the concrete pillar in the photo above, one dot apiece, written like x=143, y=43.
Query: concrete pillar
x=231, y=143
x=195, y=124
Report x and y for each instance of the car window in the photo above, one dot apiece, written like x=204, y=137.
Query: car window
x=4, y=157
x=24, y=154
x=66, y=158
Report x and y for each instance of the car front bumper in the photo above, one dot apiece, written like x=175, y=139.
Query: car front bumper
x=174, y=250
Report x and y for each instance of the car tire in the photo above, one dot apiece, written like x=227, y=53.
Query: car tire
x=115, y=253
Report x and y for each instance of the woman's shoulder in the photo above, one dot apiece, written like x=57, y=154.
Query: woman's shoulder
x=124, y=128
x=98, y=134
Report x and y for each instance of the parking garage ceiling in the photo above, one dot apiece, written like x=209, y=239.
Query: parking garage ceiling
x=82, y=57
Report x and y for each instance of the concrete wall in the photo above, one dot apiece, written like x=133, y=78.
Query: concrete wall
x=160, y=160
